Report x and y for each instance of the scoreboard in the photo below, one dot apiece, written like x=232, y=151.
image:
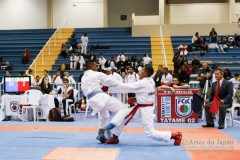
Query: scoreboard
x=16, y=84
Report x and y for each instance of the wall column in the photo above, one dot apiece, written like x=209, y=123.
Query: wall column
x=162, y=4
x=49, y=13
x=105, y=13
x=231, y=6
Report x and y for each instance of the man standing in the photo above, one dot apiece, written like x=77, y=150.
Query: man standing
x=158, y=76
x=202, y=77
x=224, y=90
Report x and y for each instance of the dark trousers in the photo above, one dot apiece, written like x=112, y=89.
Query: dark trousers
x=64, y=105
x=222, y=113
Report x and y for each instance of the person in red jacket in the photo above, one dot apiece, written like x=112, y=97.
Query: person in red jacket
x=26, y=56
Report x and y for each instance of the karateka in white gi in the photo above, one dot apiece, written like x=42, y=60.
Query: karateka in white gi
x=145, y=97
x=100, y=102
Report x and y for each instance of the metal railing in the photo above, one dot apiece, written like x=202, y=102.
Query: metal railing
x=163, y=48
x=57, y=33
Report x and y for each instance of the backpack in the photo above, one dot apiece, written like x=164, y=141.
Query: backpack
x=62, y=66
x=55, y=115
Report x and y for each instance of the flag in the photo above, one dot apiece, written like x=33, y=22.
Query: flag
x=197, y=103
x=215, y=104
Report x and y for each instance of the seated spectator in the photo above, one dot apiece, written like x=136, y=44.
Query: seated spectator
x=64, y=51
x=147, y=60
x=58, y=81
x=235, y=81
x=47, y=88
x=227, y=74
x=195, y=64
x=120, y=66
x=183, y=76
x=55, y=76
x=127, y=62
x=204, y=45
x=183, y=49
x=140, y=65
x=166, y=77
x=229, y=41
x=134, y=61
x=213, y=36
x=101, y=61
x=175, y=85
x=65, y=92
x=196, y=41
x=80, y=62
x=25, y=56
x=71, y=80
x=121, y=56
x=73, y=62
x=184, y=61
x=237, y=40
x=45, y=74
x=221, y=44
x=92, y=56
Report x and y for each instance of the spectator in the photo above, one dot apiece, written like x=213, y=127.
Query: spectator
x=71, y=80
x=235, y=81
x=92, y=56
x=183, y=49
x=177, y=65
x=8, y=73
x=121, y=56
x=84, y=40
x=184, y=61
x=196, y=41
x=195, y=64
x=64, y=51
x=55, y=76
x=25, y=56
x=30, y=73
x=213, y=36
x=158, y=76
x=229, y=41
x=204, y=45
x=127, y=62
x=202, y=77
x=183, y=76
x=221, y=44
x=46, y=88
x=80, y=62
x=131, y=77
x=175, y=85
x=140, y=65
x=59, y=79
x=73, y=62
x=166, y=77
x=237, y=40
x=134, y=61
x=227, y=74
x=45, y=74
x=147, y=60
x=120, y=66
x=65, y=92
x=101, y=61
x=73, y=42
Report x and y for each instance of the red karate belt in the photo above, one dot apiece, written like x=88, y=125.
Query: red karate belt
x=215, y=104
x=134, y=111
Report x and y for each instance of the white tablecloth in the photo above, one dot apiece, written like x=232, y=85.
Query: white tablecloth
x=10, y=104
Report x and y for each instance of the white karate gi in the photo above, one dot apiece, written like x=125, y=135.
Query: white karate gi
x=145, y=94
x=92, y=81
x=84, y=44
